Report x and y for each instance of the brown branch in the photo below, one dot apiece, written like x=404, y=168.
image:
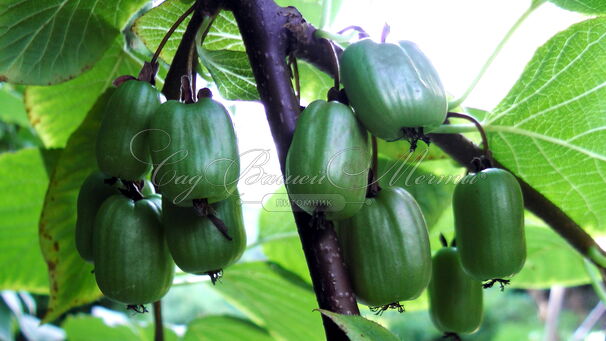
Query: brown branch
x=264, y=29
x=179, y=65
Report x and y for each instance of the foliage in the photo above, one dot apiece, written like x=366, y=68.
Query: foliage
x=58, y=59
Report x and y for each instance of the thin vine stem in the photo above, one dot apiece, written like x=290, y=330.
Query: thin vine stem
x=495, y=53
x=385, y=32
x=485, y=147
x=361, y=32
x=295, y=74
x=375, y=157
x=335, y=62
x=453, y=129
x=170, y=32
x=373, y=176
x=158, y=324
x=596, y=280
x=192, y=55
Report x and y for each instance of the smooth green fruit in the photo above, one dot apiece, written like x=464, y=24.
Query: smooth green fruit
x=122, y=147
x=386, y=248
x=328, y=160
x=489, y=223
x=132, y=262
x=196, y=244
x=391, y=87
x=455, y=299
x=93, y=192
x=195, y=151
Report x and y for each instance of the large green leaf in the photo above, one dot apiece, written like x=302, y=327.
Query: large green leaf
x=154, y=24
x=88, y=328
x=151, y=28
x=224, y=34
x=231, y=72
x=50, y=41
x=551, y=127
x=224, y=328
x=274, y=299
x=56, y=111
x=314, y=83
x=583, y=6
x=550, y=261
x=12, y=109
x=278, y=235
x=358, y=328
x=72, y=282
x=23, y=181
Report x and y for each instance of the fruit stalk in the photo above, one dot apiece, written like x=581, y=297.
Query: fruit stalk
x=158, y=325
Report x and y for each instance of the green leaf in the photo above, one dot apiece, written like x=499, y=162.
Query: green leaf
x=88, y=328
x=224, y=328
x=56, y=111
x=550, y=128
x=72, y=282
x=223, y=52
x=23, y=181
x=358, y=328
x=312, y=9
x=154, y=24
x=224, y=34
x=151, y=28
x=550, y=261
x=51, y=41
x=582, y=6
x=273, y=299
x=314, y=83
x=231, y=72
x=12, y=109
x=279, y=237
x=433, y=191
x=400, y=150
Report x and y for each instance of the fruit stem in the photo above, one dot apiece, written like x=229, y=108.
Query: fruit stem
x=132, y=190
x=361, y=32
x=205, y=210
x=171, y=30
x=192, y=57
x=292, y=60
x=187, y=95
x=480, y=129
x=373, y=183
x=335, y=62
x=455, y=103
x=158, y=325
x=443, y=240
x=453, y=129
x=385, y=32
